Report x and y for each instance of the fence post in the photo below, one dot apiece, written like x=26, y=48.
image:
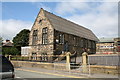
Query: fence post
x=9, y=57
x=84, y=62
x=68, y=61
x=30, y=57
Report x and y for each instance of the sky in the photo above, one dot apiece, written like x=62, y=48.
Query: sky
x=100, y=17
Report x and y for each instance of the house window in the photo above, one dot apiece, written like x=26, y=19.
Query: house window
x=44, y=36
x=61, y=38
x=89, y=44
x=74, y=40
x=94, y=45
x=77, y=41
x=86, y=43
x=44, y=57
x=35, y=36
x=34, y=56
x=81, y=42
x=40, y=21
x=118, y=43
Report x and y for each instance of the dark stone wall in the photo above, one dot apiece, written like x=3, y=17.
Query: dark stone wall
x=74, y=43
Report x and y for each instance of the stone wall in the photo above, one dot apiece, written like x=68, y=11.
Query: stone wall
x=38, y=47
x=62, y=66
x=18, y=64
x=75, y=43
x=104, y=69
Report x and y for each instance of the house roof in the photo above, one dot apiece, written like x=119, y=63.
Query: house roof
x=104, y=40
x=7, y=43
x=67, y=26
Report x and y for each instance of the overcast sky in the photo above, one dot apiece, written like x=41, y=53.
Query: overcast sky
x=100, y=17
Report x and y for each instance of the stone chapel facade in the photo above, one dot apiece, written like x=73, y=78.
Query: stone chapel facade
x=53, y=35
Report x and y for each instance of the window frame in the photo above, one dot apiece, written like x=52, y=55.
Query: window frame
x=89, y=43
x=61, y=38
x=81, y=43
x=34, y=36
x=40, y=21
x=45, y=35
x=44, y=57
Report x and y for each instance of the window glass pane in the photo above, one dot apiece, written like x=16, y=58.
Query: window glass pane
x=44, y=36
x=35, y=37
x=81, y=42
x=40, y=21
x=61, y=38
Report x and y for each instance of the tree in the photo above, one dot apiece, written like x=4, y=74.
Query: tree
x=14, y=51
x=1, y=39
x=10, y=51
x=22, y=38
x=1, y=45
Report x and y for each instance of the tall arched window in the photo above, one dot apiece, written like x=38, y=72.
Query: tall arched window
x=45, y=36
x=81, y=43
x=61, y=38
x=35, y=37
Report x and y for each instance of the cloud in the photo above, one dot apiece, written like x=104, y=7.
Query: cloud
x=100, y=17
x=41, y=5
x=71, y=7
x=11, y=27
x=59, y=0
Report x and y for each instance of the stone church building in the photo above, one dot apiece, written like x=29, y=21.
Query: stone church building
x=54, y=35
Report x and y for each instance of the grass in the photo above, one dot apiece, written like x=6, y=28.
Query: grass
x=19, y=58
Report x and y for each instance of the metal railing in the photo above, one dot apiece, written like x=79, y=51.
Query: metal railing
x=105, y=60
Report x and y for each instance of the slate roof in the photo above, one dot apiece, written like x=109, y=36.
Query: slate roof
x=69, y=27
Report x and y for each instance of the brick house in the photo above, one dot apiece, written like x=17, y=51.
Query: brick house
x=54, y=35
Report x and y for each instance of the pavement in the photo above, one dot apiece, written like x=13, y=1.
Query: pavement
x=46, y=73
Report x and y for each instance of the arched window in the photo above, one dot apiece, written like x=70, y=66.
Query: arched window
x=40, y=21
x=61, y=38
x=44, y=57
x=45, y=36
x=89, y=43
x=81, y=43
x=35, y=37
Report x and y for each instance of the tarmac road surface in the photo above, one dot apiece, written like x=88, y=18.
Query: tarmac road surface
x=41, y=74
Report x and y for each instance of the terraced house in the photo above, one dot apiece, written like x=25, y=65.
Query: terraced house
x=54, y=35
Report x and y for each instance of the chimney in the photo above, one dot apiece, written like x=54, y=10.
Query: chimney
x=7, y=40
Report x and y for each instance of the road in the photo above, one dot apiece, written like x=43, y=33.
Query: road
x=44, y=74
x=28, y=73
x=35, y=74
